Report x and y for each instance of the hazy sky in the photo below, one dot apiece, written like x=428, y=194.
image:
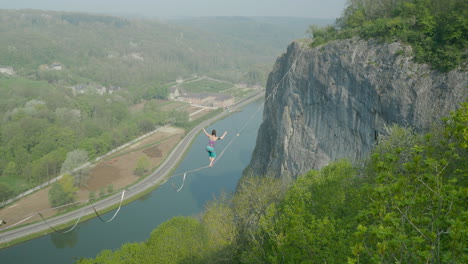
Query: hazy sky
x=177, y=8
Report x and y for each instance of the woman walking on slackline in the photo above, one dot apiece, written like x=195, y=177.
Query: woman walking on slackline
x=210, y=148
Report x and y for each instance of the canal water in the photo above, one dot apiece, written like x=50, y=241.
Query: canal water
x=136, y=220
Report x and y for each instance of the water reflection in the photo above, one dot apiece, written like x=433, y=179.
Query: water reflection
x=145, y=197
x=67, y=240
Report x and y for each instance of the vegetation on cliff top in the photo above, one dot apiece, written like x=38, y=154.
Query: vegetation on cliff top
x=436, y=29
x=405, y=204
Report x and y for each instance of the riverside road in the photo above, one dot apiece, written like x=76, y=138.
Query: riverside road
x=149, y=182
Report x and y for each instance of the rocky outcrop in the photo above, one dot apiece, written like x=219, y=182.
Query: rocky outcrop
x=334, y=101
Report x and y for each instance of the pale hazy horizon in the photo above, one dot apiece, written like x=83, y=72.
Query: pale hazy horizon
x=188, y=8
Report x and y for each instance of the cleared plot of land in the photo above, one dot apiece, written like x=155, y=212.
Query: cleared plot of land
x=163, y=105
x=238, y=93
x=174, y=105
x=206, y=86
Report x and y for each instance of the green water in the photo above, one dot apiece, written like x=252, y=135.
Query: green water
x=135, y=221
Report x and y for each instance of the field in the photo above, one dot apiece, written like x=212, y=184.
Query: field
x=206, y=86
x=115, y=170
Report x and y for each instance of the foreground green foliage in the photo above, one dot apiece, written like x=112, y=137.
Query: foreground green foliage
x=436, y=29
x=405, y=204
x=314, y=222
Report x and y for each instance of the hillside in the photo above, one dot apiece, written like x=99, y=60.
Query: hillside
x=271, y=33
x=131, y=52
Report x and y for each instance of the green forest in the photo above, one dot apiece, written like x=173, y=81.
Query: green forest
x=437, y=30
x=41, y=123
x=406, y=203
x=44, y=117
x=132, y=52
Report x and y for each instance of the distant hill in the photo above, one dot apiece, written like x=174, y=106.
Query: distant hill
x=129, y=52
x=274, y=33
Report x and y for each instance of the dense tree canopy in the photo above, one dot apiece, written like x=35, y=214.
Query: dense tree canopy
x=436, y=29
x=40, y=123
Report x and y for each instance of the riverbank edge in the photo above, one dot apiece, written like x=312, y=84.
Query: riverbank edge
x=239, y=105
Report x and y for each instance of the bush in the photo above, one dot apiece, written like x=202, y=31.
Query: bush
x=92, y=195
x=110, y=188
x=102, y=192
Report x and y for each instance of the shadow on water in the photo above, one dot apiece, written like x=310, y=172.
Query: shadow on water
x=144, y=197
x=69, y=239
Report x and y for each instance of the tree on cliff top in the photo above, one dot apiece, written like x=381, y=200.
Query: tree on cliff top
x=436, y=29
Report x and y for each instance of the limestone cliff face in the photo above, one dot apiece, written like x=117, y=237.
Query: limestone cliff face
x=334, y=101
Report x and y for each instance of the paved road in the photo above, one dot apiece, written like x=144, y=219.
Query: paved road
x=149, y=182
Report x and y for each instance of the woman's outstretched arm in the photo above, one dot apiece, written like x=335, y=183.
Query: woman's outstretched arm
x=221, y=137
x=206, y=133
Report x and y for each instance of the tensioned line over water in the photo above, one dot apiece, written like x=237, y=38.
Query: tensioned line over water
x=136, y=220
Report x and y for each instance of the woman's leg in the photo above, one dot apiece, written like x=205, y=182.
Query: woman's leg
x=212, y=157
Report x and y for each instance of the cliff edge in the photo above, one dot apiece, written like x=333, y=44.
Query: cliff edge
x=334, y=101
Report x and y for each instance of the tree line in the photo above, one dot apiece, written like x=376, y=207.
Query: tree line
x=42, y=124
x=123, y=52
x=437, y=30
x=406, y=203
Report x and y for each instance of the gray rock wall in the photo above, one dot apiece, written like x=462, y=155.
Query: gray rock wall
x=334, y=101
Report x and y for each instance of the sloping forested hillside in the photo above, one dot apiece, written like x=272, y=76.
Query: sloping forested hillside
x=127, y=52
x=273, y=33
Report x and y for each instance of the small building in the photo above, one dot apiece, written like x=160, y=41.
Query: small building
x=113, y=89
x=56, y=66
x=223, y=100
x=179, y=80
x=101, y=89
x=7, y=70
x=78, y=89
x=174, y=92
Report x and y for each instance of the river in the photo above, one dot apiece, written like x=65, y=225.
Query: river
x=136, y=220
